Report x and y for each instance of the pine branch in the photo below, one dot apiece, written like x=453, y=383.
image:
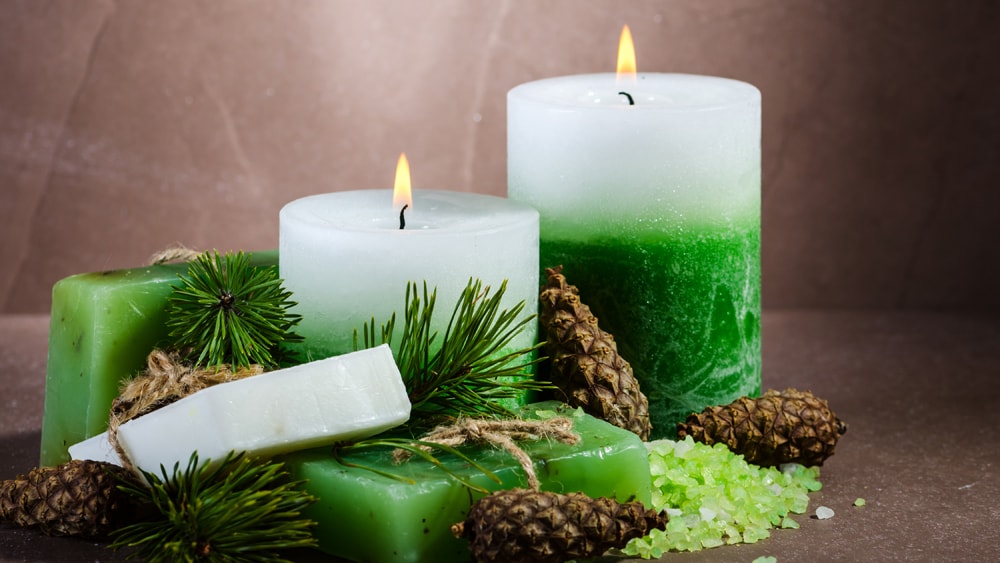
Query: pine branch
x=229, y=312
x=467, y=373
x=239, y=510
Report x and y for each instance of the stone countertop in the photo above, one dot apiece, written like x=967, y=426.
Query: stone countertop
x=918, y=391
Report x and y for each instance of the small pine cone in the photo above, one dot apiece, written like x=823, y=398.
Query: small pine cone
x=77, y=498
x=524, y=526
x=586, y=365
x=780, y=427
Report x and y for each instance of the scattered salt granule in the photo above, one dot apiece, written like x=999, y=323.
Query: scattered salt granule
x=824, y=512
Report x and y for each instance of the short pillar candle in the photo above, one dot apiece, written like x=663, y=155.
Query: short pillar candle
x=346, y=260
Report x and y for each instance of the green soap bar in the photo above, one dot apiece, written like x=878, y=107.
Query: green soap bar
x=364, y=516
x=103, y=326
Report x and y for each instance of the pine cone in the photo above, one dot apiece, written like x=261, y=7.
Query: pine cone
x=780, y=427
x=585, y=361
x=77, y=498
x=524, y=526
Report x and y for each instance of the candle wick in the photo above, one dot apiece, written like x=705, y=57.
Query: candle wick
x=402, y=219
x=631, y=102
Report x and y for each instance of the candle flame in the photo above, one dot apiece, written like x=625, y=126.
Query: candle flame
x=401, y=189
x=626, y=59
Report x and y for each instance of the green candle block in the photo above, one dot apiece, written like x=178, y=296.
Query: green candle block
x=103, y=326
x=364, y=516
x=683, y=306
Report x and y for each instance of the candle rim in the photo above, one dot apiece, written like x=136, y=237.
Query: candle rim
x=512, y=215
x=738, y=92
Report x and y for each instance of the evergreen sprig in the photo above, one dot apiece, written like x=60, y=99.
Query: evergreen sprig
x=229, y=312
x=467, y=372
x=239, y=510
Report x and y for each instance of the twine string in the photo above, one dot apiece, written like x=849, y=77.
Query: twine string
x=165, y=380
x=174, y=253
x=502, y=433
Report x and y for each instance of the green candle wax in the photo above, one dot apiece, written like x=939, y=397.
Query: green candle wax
x=364, y=516
x=683, y=306
x=103, y=325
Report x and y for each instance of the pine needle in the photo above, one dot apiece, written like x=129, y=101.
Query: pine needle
x=467, y=372
x=238, y=510
x=229, y=312
x=463, y=376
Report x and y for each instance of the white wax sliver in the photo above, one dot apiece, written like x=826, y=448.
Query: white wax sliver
x=97, y=448
x=340, y=398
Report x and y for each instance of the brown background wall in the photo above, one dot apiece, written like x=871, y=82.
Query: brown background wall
x=127, y=126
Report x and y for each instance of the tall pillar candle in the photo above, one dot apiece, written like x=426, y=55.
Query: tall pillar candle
x=345, y=259
x=653, y=209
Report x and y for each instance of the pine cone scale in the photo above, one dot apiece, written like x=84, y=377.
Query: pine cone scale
x=585, y=362
x=522, y=526
x=778, y=427
x=77, y=498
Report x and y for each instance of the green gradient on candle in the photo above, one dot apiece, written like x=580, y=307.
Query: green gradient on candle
x=103, y=325
x=364, y=516
x=683, y=306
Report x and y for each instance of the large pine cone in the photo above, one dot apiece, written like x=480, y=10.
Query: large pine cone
x=523, y=526
x=780, y=427
x=77, y=498
x=586, y=365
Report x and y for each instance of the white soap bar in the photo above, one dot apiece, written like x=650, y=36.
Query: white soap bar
x=319, y=403
x=97, y=448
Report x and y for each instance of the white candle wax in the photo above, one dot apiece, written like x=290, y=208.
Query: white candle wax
x=345, y=259
x=654, y=210
x=687, y=152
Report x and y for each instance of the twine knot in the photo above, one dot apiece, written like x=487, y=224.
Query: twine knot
x=501, y=433
x=165, y=380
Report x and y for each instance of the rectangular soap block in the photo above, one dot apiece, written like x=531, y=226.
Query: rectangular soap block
x=103, y=325
x=364, y=516
x=345, y=397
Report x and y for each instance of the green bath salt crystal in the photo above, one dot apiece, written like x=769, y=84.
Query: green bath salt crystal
x=103, y=325
x=714, y=497
x=365, y=516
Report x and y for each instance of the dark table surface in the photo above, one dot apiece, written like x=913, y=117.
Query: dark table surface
x=919, y=391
